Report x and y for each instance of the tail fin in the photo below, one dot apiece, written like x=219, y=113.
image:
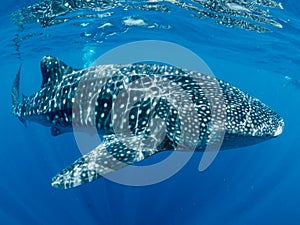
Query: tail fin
x=15, y=95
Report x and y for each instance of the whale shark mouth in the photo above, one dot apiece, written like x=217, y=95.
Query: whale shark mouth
x=279, y=129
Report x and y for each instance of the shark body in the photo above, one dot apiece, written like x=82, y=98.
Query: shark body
x=122, y=101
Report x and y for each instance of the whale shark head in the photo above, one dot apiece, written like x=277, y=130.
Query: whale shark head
x=249, y=121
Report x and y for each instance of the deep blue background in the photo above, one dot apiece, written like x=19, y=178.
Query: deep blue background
x=254, y=185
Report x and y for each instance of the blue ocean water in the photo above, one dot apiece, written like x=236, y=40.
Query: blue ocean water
x=253, y=185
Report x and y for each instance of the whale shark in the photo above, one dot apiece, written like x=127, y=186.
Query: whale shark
x=140, y=110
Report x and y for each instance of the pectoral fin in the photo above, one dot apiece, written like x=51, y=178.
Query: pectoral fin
x=109, y=156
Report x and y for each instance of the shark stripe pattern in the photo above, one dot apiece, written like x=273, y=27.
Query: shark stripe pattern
x=135, y=124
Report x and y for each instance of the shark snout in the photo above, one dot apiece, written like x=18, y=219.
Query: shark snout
x=279, y=128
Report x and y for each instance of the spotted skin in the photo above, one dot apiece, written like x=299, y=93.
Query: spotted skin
x=140, y=109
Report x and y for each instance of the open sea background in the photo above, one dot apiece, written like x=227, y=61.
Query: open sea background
x=254, y=185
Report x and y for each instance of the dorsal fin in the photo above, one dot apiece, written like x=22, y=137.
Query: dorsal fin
x=53, y=70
